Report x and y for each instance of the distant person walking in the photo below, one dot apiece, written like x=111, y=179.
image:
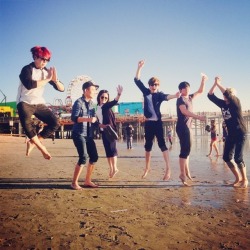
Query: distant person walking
x=129, y=135
x=170, y=135
x=33, y=78
x=153, y=124
x=237, y=132
x=84, y=117
x=183, y=127
x=214, y=139
x=106, y=118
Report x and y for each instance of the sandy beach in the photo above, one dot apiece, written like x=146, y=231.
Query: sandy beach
x=39, y=210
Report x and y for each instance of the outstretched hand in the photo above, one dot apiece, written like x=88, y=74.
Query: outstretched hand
x=141, y=63
x=204, y=77
x=119, y=89
x=178, y=94
x=217, y=80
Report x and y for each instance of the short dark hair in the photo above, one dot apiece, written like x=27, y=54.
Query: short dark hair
x=89, y=84
x=183, y=85
x=153, y=80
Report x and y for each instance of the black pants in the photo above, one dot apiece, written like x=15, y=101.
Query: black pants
x=234, y=146
x=185, y=141
x=43, y=113
x=152, y=129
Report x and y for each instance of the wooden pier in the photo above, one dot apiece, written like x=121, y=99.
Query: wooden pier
x=11, y=125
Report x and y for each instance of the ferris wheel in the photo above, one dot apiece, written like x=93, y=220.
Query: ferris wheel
x=74, y=90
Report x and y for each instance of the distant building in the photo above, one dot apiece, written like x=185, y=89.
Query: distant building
x=130, y=108
x=8, y=109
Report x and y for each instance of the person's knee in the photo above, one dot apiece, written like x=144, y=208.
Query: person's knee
x=81, y=162
x=226, y=158
x=230, y=164
x=185, y=152
x=93, y=159
x=241, y=165
x=163, y=148
x=148, y=147
x=182, y=155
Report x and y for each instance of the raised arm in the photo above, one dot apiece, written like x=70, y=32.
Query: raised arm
x=138, y=72
x=218, y=83
x=119, y=92
x=204, y=78
x=211, y=91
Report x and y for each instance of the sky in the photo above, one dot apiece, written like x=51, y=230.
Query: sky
x=105, y=39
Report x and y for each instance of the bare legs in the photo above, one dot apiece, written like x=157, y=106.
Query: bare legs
x=213, y=144
x=184, y=169
x=244, y=181
x=37, y=141
x=88, y=182
x=113, y=170
x=240, y=176
x=148, y=161
x=168, y=170
x=75, y=185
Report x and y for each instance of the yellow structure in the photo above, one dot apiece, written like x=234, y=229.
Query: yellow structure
x=6, y=111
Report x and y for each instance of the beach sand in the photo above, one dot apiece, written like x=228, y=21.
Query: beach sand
x=40, y=211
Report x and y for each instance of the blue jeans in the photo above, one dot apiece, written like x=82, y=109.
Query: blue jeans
x=85, y=146
x=43, y=113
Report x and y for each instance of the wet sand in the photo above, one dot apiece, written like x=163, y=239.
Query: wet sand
x=40, y=211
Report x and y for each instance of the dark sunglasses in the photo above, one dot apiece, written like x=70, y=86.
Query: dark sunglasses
x=154, y=84
x=104, y=97
x=44, y=59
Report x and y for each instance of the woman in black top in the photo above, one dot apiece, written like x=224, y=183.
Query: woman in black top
x=235, y=141
x=106, y=117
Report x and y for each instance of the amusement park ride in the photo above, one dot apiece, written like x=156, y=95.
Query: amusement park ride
x=74, y=91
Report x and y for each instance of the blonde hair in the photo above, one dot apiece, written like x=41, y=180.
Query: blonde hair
x=231, y=91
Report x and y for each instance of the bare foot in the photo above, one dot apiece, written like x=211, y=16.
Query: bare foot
x=110, y=173
x=208, y=155
x=189, y=177
x=30, y=146
x=184, y=181
x=76, y=187
x=167, y=175
x=145, y=173
x=235, y=184
x=114, y=173
x=45, y=153
x=90, y=184
x=244, y=184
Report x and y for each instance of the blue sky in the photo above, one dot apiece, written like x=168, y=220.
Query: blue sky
x=105, y=39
